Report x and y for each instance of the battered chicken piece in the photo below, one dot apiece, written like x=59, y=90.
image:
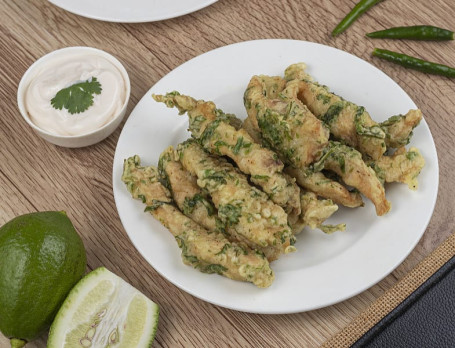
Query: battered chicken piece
x=315, y=182
x=349, y=165
x=347, y=121
x=242, y=206
x=314, y=212
x=207, y=252
x=208, y=125
x=188, y=196
x=286, y=126
x=403, y=166
x=278, y=134
x=398, y=129
x=325, y=187
x=196, y=204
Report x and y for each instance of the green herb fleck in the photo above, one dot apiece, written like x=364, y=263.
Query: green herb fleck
x=196, y=123
x=240, y=145
x=342, y=164
x=392, y=120
x=190, y=203
x=213, y=175
x=209, y=131
x=224, y=249
x=221, y=227
x=165, y=157
x=142, y=198
x=191, y=258
x=155, y=205
x=374, y=131
x=213, y=268
x=230, y=213
x=329, y=229
x=411, y=155
x=181, y=243
x=260, y=254
x=271, y=130
x=332, y=113
x=380, y=173
x=240, y=251
x=324, y=98
x=218, y=144
x=261, y=177
x=292, y=240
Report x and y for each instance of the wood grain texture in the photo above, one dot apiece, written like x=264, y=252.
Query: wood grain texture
x=35, y=175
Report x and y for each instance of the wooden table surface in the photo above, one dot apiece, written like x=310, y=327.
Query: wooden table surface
x=36, y=175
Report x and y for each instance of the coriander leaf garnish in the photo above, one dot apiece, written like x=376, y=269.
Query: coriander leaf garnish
x=78, y=97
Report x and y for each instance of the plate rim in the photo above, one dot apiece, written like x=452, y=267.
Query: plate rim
x=327, y=303
x=145, y=19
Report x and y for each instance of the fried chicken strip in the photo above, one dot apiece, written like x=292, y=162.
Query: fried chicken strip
x=208, y=125
x=242, y=206
x=403, y=166
x=398, y=129
x=207, y=252
x=188, y=196
x=325, y=187
x=349, y=165
x=287, y=127
x=314, y=212
x=197, y=205
x=313, y=181
x=358, y=175
x=347, y=121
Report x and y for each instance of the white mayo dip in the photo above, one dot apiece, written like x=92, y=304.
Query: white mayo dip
x=64, y=71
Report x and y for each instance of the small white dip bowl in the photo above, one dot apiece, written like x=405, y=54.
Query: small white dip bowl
x=82, y=140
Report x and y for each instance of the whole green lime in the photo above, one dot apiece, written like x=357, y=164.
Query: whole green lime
x=42, y=258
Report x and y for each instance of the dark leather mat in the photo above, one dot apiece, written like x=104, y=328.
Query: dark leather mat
x=424, y=319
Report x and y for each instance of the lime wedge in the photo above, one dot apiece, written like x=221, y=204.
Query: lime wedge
x=103, y=310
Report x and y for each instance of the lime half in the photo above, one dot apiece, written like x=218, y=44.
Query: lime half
x=103, y=310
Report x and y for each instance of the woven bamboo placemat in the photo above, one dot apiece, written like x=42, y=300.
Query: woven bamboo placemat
x=394, y=296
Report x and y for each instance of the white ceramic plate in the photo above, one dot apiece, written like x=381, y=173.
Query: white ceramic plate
x=326, y=268
x=132, y=11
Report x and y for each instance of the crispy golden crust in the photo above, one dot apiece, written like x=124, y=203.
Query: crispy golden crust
x=325, y=187
x=403, y=166
x=314, y=212
x=349, y=165
x=243, y=207
x=188, y=196
x=276, y=130
x=200, y=113
x=213, y=253
x=142, y=183
x=205, y=251
x=196, y=204
x=399, y=128
x=346, y=121
x=288, y=127
x=219, y=137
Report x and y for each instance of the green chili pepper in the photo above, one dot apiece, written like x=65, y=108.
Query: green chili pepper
x=417, y=32
x=414, y=63
x=356, y=12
